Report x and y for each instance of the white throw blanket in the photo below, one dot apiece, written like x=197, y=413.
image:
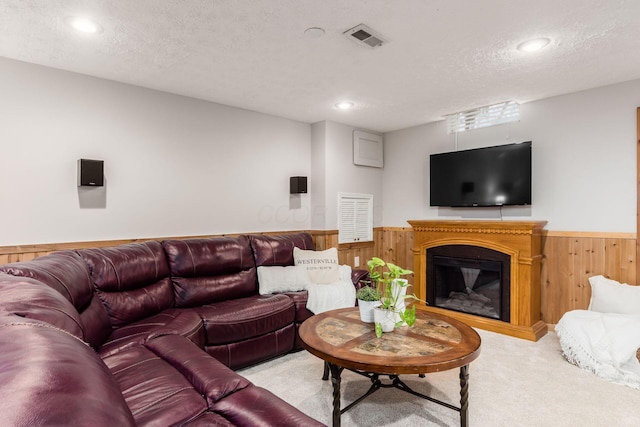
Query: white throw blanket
x=604, y=343
x=340, y=294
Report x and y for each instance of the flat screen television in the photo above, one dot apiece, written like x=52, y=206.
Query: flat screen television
x=490, y=176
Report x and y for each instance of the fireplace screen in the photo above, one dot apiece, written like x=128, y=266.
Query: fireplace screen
x=469, y=279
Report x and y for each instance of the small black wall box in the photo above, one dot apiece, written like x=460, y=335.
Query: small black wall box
x=90, y=173
x=298, y=184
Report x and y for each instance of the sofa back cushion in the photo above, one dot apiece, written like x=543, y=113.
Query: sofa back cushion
x=131, y=280
x=205, y=271
x=68, y=274
x=30, y=299
x=278, y=250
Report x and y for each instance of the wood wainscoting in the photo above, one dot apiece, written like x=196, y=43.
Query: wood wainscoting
x=569, y=259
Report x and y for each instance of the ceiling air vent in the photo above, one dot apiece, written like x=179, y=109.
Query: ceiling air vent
x=362, y=34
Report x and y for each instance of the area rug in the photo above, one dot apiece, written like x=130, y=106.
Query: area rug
x=514, y=382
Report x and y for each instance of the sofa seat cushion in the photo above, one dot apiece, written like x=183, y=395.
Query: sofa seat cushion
x=183, y=322
x=52, y=378
x=169, y=380
x=300, y=302
x=209, y=419
x=156, y=393
x=244, y=318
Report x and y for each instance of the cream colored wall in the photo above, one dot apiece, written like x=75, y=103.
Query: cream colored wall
x=345, y=177
x=179, y=166
x=584, y=163
x=317, y=186
x=173, y=165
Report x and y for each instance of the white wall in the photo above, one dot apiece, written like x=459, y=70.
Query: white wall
x=173, y=165
x=334, y=142
x=584, y=163
x=180, y=166
x=317, y=187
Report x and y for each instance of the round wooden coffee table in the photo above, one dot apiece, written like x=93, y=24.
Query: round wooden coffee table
x=435, y=343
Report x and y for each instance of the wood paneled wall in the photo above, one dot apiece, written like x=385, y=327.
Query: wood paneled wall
x=28, y=252
x=569, y=260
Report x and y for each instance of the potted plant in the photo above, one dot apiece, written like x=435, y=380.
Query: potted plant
x=368, y=298
x=392, y=288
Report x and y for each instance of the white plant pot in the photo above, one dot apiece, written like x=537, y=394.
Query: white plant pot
x=399, y=290
x=366, y=310
x=386, y=318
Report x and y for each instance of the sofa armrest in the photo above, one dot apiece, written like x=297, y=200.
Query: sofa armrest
x=50, y=377
x=31, y=299
x=358, y=277
x=256, y=406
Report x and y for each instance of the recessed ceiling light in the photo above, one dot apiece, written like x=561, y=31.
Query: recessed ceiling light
x=314, y=32
x=345, y=105
x=84, y=25
x=533, y=45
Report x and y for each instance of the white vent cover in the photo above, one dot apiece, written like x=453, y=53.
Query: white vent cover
x=362, y=34
x=496, y=114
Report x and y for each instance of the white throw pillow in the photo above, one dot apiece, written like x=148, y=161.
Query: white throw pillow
x=272, y=279
x=610, y=296
x=322, y=266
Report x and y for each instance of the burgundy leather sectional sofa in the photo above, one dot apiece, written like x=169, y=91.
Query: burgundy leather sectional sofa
x=147, y=334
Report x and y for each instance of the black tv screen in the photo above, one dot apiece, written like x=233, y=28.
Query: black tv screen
x=491, y=176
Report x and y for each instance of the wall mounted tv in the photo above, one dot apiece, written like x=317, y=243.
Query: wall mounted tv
x=490, y=176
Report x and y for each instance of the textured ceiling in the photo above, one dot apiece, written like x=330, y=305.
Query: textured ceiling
x=442, y=56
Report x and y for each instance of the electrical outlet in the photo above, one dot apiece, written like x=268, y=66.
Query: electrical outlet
x=356, y=261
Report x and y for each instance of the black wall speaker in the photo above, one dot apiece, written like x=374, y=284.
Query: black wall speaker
x=90, y=173
x=298, y=184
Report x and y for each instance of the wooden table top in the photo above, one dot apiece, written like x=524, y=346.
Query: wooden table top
x=435, y=343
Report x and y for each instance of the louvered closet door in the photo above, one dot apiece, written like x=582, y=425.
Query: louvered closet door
x=355, y=218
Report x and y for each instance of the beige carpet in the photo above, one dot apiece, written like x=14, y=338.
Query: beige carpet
x=513, y=382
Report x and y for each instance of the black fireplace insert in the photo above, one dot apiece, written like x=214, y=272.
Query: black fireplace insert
x=469, y=279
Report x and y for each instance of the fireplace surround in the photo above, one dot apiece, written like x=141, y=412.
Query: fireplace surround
x=517, y=242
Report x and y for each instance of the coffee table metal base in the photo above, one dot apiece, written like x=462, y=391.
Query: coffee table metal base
x=396, y=382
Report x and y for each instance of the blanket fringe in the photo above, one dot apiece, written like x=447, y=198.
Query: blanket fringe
x=577, y=355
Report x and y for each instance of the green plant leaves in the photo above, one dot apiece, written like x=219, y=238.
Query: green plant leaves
x=409, y=316
x=378, y=329
x=388, y=280
x=373, y=264
x=395, y=271
x=367, y=293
